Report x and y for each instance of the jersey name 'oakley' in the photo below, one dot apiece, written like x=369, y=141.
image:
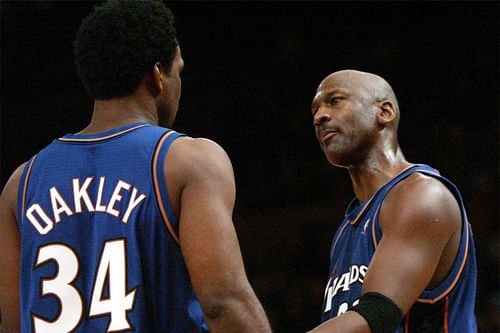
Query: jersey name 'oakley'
x=99, y=238
x=447, y=308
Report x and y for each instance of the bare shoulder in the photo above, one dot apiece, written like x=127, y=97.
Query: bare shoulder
x=418, y=201
x=194, y=155
x=199, y=163
x=199, y=148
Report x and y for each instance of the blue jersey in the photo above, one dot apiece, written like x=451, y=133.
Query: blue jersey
x=99, y=238
x=447, y=308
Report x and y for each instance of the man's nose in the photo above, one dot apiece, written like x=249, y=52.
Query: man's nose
x=321, y=116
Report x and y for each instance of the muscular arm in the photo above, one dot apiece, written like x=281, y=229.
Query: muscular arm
x=201, y=179
x=9, y=255
x=420, y=222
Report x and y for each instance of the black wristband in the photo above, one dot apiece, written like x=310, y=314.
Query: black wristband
x=381, y=313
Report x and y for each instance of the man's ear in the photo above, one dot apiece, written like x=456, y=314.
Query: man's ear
x=154, y=80
x=158, y=78
x=387, y=112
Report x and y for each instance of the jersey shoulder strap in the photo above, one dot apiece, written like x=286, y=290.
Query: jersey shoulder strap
x=160, y=183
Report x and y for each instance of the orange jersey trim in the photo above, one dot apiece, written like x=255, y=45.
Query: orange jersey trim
x=340, y=235
x=407, y=320
x=374, y=235
x=157, y=187
x=375, y=243
x=25, y=187
x=459, y=273
x=362, y=211
x=102, y=138
x=445, y=324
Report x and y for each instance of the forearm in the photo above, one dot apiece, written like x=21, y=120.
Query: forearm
x=9, y=328
x=349, y=322
x=238, y=314
x=9, y=323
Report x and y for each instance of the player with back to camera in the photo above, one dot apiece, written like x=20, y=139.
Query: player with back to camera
x=125, y=226
x=403, y=258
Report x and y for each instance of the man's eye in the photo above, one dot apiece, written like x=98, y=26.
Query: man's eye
x=334, y=100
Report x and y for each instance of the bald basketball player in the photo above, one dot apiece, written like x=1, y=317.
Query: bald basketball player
x=403, y=259
x=127, y=225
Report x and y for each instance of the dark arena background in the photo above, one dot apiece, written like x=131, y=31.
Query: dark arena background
x=252, y=69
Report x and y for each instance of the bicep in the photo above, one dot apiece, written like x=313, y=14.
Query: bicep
x=416, y=229
x=402, y=268
x=207, y=235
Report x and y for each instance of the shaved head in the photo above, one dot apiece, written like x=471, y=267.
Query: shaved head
x=370, y=86
x=355, y=112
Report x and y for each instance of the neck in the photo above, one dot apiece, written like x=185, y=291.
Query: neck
x=375, y=171
x=117, y=112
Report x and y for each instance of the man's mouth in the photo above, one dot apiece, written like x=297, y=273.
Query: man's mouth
x=327, y=134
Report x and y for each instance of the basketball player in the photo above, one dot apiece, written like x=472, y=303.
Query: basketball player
x=125, y=226
x=403, y=258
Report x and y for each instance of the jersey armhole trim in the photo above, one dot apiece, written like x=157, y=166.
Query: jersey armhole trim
x=462, y=254
x=24, y=181
x=444, y=322
x=458, y=274
x=462, y=257
x=156, y=168
x=376, y=233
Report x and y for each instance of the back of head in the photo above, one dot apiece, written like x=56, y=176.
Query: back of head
x=121, y=41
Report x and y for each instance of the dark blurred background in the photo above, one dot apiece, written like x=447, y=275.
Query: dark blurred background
x=252, y=69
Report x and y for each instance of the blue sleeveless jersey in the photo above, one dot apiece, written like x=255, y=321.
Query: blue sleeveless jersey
x=99, y=238
x=447, y=308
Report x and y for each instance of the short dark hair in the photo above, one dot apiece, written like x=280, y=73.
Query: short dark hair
x=121, y=41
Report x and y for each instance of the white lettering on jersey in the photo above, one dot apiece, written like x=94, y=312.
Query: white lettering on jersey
x=44, y=224
x=342, y=283
x=362, y=272
x=58, y=204
x=43, y=230
x=116, y=197
x=98, y=206
x=134, y=201
x=81, y=193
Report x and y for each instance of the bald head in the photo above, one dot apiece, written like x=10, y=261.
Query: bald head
x=353, y=113
x=372, y=87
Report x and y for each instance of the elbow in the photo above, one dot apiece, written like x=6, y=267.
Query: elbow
x=227, y=302
x=215, y=307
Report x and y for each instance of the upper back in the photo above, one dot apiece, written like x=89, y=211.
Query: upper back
x=106, y=174
x=95, y=216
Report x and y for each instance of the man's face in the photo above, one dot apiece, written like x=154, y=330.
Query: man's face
x=343, y=119
x=169, y=103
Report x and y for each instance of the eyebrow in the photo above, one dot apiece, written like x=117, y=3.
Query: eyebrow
x=335, y=91
x=325, y=95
